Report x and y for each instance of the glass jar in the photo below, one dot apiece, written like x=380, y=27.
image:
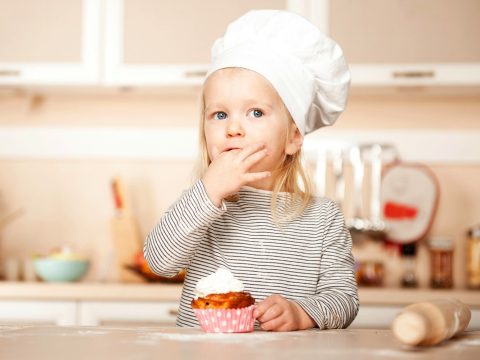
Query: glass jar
x=369, y=273
x=441, y=262
x=409, y=277
x=473, y=258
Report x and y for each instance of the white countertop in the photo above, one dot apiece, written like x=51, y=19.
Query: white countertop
x=47, y=342
x=89, y=291
x=172, y=292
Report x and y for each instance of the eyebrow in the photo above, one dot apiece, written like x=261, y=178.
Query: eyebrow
x=248, y=101
x=261, y=104
x=214, y=105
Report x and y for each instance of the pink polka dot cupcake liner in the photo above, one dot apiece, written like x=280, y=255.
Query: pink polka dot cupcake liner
x=226, y=320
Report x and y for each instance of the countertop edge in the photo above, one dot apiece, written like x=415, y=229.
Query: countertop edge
x=172, y=292
x=90, y=291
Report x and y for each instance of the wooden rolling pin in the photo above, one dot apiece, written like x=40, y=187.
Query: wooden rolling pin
x=431, y=322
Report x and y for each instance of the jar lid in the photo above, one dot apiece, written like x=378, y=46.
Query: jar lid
x=474, y=232
x=409, y=249
x=441, y=242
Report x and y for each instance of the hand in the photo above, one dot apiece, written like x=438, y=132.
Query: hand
x=276, y=313
x=228, y=172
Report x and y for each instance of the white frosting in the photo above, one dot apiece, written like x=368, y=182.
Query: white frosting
x=220, y=282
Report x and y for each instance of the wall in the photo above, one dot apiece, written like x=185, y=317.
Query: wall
x=69, y=201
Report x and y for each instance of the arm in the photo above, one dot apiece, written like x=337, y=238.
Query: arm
x=172, y=243
x=335, y=304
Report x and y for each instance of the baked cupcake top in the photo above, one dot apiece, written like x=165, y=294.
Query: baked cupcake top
x=221, y=290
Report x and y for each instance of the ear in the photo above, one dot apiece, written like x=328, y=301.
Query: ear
x=294, y=142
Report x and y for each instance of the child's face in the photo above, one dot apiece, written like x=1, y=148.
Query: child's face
x=242, y=108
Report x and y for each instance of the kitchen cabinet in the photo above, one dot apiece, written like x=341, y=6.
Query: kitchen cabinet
x=49, y=42
x=88, y=313
x=138, y=313
x=38, y=312
x=381, y=317
x=154, y=313
x=92, y=304
x=405, y=42
x=151, y=43
x=98, y=43
x=89, y=304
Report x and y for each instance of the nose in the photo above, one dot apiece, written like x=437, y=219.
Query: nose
x=234, y=128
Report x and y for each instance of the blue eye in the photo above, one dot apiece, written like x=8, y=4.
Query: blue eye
x=257, y=113
x=220, y=115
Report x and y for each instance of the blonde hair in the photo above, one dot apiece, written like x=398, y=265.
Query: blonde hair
x=291, y=178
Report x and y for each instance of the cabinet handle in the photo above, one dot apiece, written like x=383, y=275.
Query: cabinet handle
x=10, y=73
x=173, y=312
x=413, y=74
x=198, y=73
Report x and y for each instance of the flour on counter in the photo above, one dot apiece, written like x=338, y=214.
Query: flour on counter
x=217, y=337
x=12, y=327
x=92, y=332
x=468, y=342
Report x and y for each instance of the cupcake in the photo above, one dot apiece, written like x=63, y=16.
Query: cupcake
x=221, y=304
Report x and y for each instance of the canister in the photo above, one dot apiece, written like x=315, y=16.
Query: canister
x=441, y=262
x=473, y=257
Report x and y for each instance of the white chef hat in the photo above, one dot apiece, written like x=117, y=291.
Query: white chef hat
x=305, y=67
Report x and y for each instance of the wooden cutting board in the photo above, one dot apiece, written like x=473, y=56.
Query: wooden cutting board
x=409, y=200
x=125, y=234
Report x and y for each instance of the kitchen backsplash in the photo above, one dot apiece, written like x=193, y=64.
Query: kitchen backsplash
x=69, y=201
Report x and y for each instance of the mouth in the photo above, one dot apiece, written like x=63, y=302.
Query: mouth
x=231, y=148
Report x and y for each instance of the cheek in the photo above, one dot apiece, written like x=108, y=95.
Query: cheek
x=212, y=146
x=275, y=142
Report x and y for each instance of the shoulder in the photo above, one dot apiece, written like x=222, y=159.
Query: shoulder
x=324, y=210
x=321, y=203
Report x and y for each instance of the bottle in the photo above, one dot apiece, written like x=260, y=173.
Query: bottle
x=409, y=279
x=441, y=262
x=473, y=258
x=431, y=322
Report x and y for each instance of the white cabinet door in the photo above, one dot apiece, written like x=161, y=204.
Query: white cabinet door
x=405, y=42
x=163, y=42
x=381, y=317
x=38, y=312
x=49, y=42
x=115, y=313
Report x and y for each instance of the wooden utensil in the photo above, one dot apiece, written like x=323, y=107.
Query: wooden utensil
x=7, y=219
x=125, y=234
x=429, y=323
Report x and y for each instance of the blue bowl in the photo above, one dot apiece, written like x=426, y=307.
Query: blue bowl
x=60, y=270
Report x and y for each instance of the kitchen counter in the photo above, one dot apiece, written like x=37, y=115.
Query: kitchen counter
x=49, y=342
x=89, y=291
x=172, y=292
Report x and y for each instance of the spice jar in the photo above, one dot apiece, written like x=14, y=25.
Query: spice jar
x=409, y=278
x=441, y=262
x=473, y=258
x=369, y=273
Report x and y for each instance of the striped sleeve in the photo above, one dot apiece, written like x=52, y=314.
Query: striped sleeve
x=172, y=243
x=336, y=303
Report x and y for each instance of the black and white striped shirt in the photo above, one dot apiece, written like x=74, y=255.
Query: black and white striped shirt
x=308, y=260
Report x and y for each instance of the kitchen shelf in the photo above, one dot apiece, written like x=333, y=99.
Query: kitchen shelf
x=172, y=292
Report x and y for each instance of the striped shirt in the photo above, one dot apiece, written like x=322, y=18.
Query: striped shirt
x=307, y=260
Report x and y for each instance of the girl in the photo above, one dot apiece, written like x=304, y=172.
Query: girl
x=274, y=78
